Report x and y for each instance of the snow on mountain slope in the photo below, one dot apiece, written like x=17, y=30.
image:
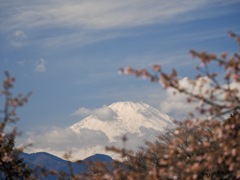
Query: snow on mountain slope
x=129, y=118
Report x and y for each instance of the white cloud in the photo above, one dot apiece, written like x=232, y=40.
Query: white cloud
x=83, y=112
x=176, y=105
x=18, y=39
x=59, y=141
x=62, y=140
x=41, y=66
x=104, y=113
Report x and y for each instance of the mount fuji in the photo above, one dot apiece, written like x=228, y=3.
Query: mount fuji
x=139, y=122
x=105, y=126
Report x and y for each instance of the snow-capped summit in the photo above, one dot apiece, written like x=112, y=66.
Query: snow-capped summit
x=125, y=117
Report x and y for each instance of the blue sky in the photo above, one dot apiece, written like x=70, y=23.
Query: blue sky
x=68, y=52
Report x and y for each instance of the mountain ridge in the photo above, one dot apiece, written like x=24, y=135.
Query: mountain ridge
x=53, y=163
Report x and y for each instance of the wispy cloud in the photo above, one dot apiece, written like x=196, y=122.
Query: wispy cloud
x=80, y=38
x=41, y=66
x=84, y=22
x=18, y=39
x=21, y=62
x=99, y=14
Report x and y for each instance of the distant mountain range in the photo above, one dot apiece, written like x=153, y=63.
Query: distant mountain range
x=51, y=162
